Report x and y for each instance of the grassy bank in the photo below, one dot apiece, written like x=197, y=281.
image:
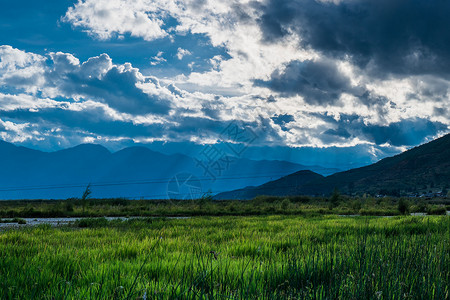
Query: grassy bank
x=265, y=257
x=206, y=207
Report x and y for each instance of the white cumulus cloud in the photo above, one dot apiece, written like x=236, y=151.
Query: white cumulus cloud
x=105, y=19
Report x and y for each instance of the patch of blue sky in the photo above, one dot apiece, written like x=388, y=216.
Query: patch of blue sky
x=199, y=60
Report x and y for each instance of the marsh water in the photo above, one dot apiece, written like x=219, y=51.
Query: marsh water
x=62, y=221
x=65, y=221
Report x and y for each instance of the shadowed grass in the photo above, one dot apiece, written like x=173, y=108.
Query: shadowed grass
x=261, y=205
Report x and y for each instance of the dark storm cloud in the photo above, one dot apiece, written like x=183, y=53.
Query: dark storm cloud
x=240, y=12
x=377, y=103
x=343, y=118
x=210, y=111
x=430, y=87
x=441, y=111
x=90, y=120
x=94, y=121
x=340, y=132
x=272, y=23
x=118, y=89
x=98, y=79
x=407, y=132
x=319, y=82
x=188, y=126
x=369, y=99
x=197, y=4
x=390, y=36
x=214, y=129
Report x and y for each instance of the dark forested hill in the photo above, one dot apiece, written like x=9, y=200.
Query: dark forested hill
x=287, y=185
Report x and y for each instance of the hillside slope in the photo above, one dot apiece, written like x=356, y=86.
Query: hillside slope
x=287, y=185
x=419, y=169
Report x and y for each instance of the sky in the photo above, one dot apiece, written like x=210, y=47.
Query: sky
x=339, y=83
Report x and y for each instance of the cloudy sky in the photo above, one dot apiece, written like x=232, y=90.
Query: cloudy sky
x=335, y=82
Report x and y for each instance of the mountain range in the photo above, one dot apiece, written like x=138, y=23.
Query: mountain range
x=134, y=172
x=419, y=169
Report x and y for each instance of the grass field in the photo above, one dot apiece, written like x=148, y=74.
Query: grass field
x=264, y=257
x=262, y=205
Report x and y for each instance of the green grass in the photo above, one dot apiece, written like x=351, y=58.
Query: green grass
x=253, y=257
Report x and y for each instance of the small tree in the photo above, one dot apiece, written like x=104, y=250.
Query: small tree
x=285, y=204
x=356, y=205
x=403, y=206
x=422, y=206
x=335, y=197
x=85, y=196
x=206, y=198
x=69, y=205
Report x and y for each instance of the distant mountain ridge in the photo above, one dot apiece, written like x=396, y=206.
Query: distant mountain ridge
x=131, y=172
x=418, y=169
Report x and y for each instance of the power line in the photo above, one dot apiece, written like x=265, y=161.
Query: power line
x=183, y=196
x=121, y=183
